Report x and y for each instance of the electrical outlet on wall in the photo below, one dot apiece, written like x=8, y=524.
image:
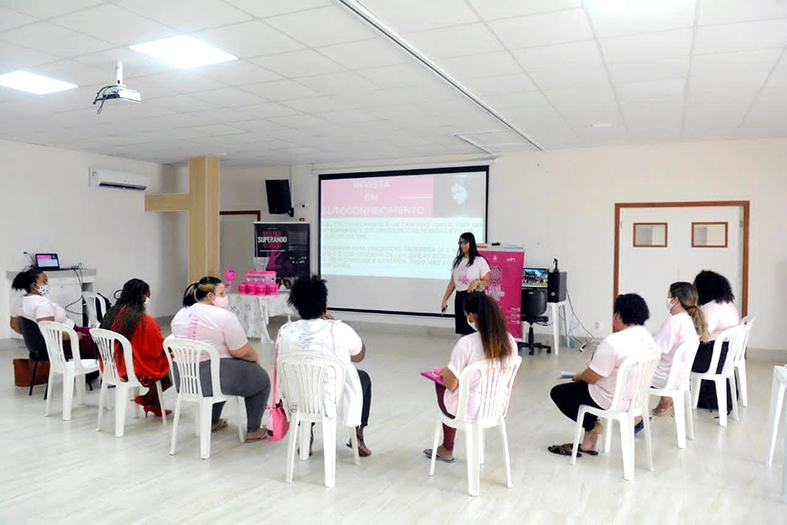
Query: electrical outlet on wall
x=598, y=325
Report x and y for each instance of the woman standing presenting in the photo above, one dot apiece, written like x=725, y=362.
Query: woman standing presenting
x=469, y=273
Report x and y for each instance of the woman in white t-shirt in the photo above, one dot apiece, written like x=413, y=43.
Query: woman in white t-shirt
x=490, y=341
x=204, y=318
x=470, y=272
x=595, y=386
x=35, y=306
x=686, y=323
x=319, y=333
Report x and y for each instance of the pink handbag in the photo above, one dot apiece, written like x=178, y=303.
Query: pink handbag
x=277, y=418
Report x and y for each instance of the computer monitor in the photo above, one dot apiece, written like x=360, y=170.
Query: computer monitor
x=535, y=277
x=47, y=261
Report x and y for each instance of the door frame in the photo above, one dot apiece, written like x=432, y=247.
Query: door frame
x=242, y=212
x=745, y=205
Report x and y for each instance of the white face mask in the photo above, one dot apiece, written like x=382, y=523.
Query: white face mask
x=472, y=325
x=222, y=301
x=146, y=302
x=670, y=304
x=43, y=289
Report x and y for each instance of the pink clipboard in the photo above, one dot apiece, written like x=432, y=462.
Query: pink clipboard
x=433, y=376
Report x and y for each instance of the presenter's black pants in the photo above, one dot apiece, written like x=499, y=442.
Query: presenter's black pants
x=569, y=396
x=460, y=321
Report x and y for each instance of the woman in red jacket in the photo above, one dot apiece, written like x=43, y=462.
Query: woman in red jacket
x=128, y=318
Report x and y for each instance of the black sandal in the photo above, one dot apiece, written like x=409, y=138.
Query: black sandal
x=563, y=450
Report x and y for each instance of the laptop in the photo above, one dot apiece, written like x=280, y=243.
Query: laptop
x=47, y=261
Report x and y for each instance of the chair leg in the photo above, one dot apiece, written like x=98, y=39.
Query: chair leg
x=80, y=382
x=481, y=446
x=137, y=411
x=695, y=392
x=102, y=399
x=721, y=399
x=578, y=431
x=329, y=450
x=175, y=421
x=68, y=395
x=734, y=396
x=743, y=383
x=627, y=446
x=648, y=442
x=204, y=431
x=354, y=445
x=678, y=405
x=777, y=400
x=241, y=420
x=608, y=429
x=506, y=455
x=473, y=439
x=161, y=403
x=33, y=378
x=121, y=405
x=291, y=443
x=48, y=395
x=306, y=438
x=689, y=411
x=435, y=443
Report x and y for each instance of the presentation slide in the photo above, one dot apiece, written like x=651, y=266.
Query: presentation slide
x=387, y=239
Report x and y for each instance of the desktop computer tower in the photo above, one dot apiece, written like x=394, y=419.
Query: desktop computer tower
x=556, y=287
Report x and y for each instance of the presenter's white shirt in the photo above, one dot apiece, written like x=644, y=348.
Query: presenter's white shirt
x=210, y=324
x=611, y=353
x=334, y=339
x=463, y=274
x=720, y=317
x=675, y=331
x=467, y=351
x=35, y=307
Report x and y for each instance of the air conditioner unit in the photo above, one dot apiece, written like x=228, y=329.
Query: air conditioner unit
x=101, y=178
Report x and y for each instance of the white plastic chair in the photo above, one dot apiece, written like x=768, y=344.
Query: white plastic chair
x=736, y=338
x=497, y=381
x=91, y=302
x=637, y=406
x=677, y=388
x=186, y=354
x=303, y=393
x=106, y=341
x=778, y=390
x=71, y=370
x=740, y=364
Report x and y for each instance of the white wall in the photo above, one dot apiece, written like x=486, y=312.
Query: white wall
x=47, y=206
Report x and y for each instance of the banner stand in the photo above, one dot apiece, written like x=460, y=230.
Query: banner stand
x=505, y=286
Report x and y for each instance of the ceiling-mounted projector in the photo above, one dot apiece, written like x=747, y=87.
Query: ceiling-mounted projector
x=117, y=91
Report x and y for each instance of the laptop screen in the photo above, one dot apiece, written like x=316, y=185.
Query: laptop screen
x=47, y=260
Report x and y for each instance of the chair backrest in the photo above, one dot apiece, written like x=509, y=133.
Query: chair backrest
x=187, y=355
x=635, y=392
x=53, y=335
x=303, y=378
x=735, y=338
x=91, y=301
x=534, y=302
x=748, y=321
x=680, y=372
x=496, y=380
x=107, y=342
x=34, y=340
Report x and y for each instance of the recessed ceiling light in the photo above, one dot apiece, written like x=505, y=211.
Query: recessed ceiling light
x=603, y=125
x=184, y=51
x=32, y=83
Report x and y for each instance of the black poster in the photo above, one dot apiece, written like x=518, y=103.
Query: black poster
x=286, y=247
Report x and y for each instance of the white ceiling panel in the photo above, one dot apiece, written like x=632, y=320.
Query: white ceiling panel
x=491, y=9
x=134, y=64
x=268, y=109
x=317, y=104
x=48, y=8
x=54, y=40
x=16, y=57
x=10, y=19
x=585, y=115
x=714, y=12
x=186, y=15
x=406, y=16
x=628, y=17
x=114, y=24
x=75, y=72
x=578, y=94
x=399, y=76
x=249, y=39
x=736, y=62
x=281, y=90
x=366, y=54
x=338, y=83
x=347, y=116
x=256, y=125
x=742, y=37
x=651, y=89
x=650, y=69
x=266, y=8
x=544, y=29
x=485, y=65
x=228, y=97
x=173, y=83
x=665, y=44
x=593, y=77
x=448, y=42
x=520, y=99
x=237, y=72
x=501, y=84
x=748, y=83
x=562, y=56
x=299, y=64
x=322, y=27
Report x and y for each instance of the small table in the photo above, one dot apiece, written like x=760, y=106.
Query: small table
x=778, y=387
x=554, y=314
x=254, y=312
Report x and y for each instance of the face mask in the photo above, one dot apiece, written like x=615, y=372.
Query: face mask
x=43, y=289
x=669, y=304
x=472, y=325
x=146, y=302
x=221, y=302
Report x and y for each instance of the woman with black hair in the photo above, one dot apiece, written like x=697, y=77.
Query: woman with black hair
x=204, y=318
x=491, y=340
x=595, y=386
x=129, y=318
x=470, y=272
x=34, y=305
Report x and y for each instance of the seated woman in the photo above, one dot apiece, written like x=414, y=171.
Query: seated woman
x=595, y=386
x=686, y=323
x=318, y=333
x=129, y=319
x=491, y=340
x=204, y=318
x=35, y=306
